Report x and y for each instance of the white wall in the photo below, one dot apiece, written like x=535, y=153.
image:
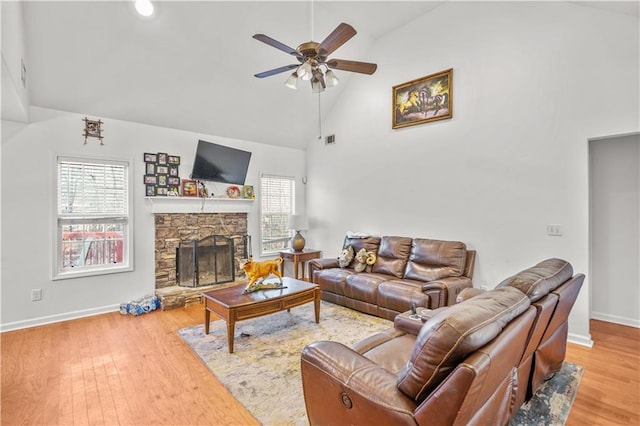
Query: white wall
x=15, y=95
x=28, y=204
x=615, y=229
x=533, y=81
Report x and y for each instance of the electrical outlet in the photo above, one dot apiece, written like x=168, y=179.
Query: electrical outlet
x=36, y=294
x=554, y=230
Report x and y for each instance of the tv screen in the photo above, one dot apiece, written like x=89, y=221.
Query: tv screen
x=219, y=163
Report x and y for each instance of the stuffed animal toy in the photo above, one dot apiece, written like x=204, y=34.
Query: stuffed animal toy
x=364, y=260
x=259, y=271
x=345, y=258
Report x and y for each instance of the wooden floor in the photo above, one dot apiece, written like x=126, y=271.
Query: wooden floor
x=113, y=369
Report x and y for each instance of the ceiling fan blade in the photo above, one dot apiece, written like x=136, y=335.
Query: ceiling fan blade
x=276, y=70
x=275, y=43
x=337, y=38
x=353, y=66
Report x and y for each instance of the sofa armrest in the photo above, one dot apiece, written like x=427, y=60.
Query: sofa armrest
x=408, y=323
x=443, y=292
x=319, y=264
x=468, y=293
x=343, y=387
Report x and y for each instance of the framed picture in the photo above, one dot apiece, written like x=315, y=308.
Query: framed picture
x=150, y=158
x=423, y=100
x=151, y=168
x=151, y=190
x=189, y=188
x=162, y=158
x=174, y=159
x=247, y=192
x=173, y=181
x=162, y=180
x=163, y=191
x=173, y=192
x=164, y=170
x=151, y=179
x=173, y=170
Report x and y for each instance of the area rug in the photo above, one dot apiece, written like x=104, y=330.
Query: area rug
x=263, y=373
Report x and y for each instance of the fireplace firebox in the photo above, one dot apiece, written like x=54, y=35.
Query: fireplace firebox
x=205, y=262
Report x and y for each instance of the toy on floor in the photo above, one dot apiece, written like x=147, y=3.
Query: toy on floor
x=257, y=272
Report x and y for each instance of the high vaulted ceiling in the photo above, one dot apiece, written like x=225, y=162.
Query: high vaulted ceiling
x=191, y=65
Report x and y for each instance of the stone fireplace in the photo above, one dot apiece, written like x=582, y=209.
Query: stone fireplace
x=222, y=235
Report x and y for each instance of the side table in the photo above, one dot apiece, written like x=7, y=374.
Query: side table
x=298, y=258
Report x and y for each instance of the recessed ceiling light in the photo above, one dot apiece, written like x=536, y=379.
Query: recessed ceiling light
x=144, y=7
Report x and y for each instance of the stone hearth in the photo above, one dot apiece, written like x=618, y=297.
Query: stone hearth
x=170, y=230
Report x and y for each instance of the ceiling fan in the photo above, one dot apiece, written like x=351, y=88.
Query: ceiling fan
x=314, y=64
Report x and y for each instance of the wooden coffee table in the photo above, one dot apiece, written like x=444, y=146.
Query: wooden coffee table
x=232, y=305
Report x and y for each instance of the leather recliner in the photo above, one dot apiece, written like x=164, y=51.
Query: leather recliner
x=456, y=368
x=484, y=384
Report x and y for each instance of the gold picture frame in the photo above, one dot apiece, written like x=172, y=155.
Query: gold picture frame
x=423, y=100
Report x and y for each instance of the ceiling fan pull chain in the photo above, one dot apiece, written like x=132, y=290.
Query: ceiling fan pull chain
x=319, y=117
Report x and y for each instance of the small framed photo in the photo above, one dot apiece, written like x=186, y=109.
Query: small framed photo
x=248, y=193
x=162, y=158
x=150, y=158
x=189, y=188
x=162, y=180
x=151, y=168
x=164, y=170
x=174, y=159
x=173, y=170
x=173, y=181
x=163, y=191
x=151, y=190
x=173, y=192
x=151, y=179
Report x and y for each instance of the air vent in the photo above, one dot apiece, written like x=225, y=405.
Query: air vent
x=330, y=139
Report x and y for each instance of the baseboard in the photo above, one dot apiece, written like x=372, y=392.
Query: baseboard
x=579, y=339
x=34, y=322
x=616, y=319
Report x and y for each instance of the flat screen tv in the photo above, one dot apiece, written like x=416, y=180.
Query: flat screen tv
x=219, y=163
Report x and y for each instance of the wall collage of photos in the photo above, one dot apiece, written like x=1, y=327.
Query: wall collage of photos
x=161, y=174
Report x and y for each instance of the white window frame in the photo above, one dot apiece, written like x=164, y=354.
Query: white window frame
x=126, y=265
x=263, y=200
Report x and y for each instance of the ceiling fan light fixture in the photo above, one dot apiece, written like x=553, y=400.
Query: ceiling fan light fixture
x=305, y=71
x=292, y=81
x=317, y=85
x=332, y=78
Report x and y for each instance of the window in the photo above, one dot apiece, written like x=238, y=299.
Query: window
x=277, y=197
x=93, y=225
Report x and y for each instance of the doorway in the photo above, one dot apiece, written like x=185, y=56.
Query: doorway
x=614, y=226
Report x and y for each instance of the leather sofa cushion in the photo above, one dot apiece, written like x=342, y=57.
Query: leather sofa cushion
x=368, y=243
x=398, y=295
x=453, y=333
x=431, y=260
x=392, y=256
x=541, y=279
x=363, y=287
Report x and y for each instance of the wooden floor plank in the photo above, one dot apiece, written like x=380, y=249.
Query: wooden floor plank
x=119, y=369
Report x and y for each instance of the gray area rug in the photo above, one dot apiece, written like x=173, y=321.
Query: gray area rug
x=263, y=373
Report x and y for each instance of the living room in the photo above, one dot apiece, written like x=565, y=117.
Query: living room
x=534, y=83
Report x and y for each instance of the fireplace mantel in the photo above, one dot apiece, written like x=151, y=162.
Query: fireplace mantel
x=198, y=205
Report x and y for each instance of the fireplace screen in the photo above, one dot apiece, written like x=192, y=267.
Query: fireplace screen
x=205, y=262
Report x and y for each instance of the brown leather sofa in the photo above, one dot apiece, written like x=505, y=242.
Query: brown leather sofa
x=471, y=363
x=418, y=271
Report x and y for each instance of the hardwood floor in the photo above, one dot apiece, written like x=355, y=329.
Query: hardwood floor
x=114, y=369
